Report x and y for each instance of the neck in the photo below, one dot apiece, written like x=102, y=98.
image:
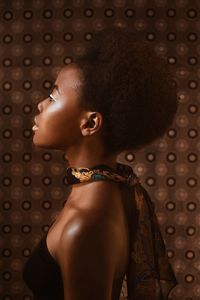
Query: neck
x=89, y=156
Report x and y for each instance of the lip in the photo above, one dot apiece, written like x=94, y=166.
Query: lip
x=35, y=121
x=35, y=125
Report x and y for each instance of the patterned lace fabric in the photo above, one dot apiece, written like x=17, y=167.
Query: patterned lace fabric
x=149, y=274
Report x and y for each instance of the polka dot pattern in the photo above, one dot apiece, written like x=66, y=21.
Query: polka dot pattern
x=36, y=40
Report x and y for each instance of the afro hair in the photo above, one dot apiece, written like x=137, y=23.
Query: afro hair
x=133, y=89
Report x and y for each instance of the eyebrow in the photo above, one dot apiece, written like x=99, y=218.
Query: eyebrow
x=55, y=86
x=75, y=87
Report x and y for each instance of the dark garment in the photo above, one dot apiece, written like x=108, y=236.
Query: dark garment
x=149, y=274
x=42, y=274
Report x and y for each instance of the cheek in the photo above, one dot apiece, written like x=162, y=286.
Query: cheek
x=60, y=125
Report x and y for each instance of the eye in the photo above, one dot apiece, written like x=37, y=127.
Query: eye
x=51, y=97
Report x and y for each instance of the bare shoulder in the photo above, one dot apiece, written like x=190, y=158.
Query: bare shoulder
x=97, y=214
x=84, y=226
x=86, y=246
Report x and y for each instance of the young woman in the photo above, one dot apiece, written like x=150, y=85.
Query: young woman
x=117, y=96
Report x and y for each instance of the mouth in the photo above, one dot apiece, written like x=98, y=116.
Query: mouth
x=35, y=126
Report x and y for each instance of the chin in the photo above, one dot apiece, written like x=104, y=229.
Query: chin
x=42, y=144
x=47, y=143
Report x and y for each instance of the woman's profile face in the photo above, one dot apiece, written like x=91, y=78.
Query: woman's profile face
x=59, y=114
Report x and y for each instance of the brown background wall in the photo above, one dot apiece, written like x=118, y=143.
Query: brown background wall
x=37, y=38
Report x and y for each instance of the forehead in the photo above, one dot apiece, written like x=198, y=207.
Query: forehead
x=69, y=76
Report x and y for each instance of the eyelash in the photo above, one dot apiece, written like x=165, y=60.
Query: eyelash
x=51, y=98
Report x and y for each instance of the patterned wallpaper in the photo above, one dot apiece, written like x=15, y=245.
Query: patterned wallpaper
x=38, y=37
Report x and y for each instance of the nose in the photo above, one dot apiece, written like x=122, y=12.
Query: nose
x=39, y=106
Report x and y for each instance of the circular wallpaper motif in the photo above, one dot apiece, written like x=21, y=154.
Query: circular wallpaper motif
x=38, y=38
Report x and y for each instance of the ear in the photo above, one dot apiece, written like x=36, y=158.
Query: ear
x=91, y=123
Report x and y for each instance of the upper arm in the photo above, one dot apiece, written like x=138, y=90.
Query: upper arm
x=86, y=260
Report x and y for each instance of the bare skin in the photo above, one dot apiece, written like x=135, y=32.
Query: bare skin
x=89, y=239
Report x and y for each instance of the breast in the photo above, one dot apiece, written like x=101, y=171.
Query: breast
x=42, y=274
